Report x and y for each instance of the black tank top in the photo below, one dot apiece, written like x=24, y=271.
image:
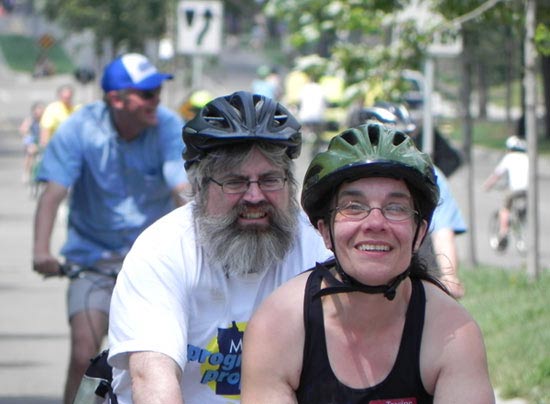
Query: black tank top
x=319, y=385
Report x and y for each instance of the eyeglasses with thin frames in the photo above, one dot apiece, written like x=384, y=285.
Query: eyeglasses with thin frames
x=240, y=186
x=394, y=212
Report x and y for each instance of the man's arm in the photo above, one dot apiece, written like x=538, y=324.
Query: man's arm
x=155, y=378
x=45, y=136
x=444, y=247
x=47, y=123
x=447, y=222
x=46, y=211
x=491, y=181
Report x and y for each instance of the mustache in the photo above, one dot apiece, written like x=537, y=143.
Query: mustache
x=233, y=215
x=263, y=205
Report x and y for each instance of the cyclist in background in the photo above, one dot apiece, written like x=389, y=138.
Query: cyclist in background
x=30, y=130
x=514, y=169
x=445, y=156
x=193, y=104
x=267, y=83
x=56, y=112
x=121, y=159
x=311, y=111
x=439, y=250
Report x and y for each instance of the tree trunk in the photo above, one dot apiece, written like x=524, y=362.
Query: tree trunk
x=483, y=89
x=509, y=57
x=533, y=267
x=467, y=132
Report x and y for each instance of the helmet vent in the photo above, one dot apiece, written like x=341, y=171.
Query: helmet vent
x=279, y=118
x=314, y=171
x=258, y=102
x=213, y=118
x=374, y=134
x=238, y=106
x=398, y=138
x=350, y=137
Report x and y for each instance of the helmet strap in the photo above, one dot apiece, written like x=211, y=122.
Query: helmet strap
x=350, y=284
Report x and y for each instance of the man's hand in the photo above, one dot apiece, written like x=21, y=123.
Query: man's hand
x=46, y=264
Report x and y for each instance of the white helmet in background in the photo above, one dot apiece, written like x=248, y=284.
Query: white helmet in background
x=514, y=143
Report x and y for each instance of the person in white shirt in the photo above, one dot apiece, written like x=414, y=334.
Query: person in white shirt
x=514, y=167
x=193, y=279
x=311, y=114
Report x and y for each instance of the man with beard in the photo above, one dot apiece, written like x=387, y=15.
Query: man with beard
x=193, y=279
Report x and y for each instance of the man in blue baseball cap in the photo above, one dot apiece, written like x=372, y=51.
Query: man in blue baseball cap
x=121, y=159
x=132, y=71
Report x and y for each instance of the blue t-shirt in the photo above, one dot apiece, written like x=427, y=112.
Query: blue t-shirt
x=118, y=187
x=447, y=213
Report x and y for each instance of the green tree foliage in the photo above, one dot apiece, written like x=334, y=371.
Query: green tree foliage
x=353, y=37
x=542, y=34
x=542, y=39
x=507, y=21
x=127, y=23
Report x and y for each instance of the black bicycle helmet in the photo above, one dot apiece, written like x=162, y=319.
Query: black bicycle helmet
x=370, y=150
x=236, y=118
x=396, y=115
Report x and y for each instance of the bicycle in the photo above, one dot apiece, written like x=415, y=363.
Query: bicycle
x=35, y=186
x=517, y=228
x=73, y=271
x=95, y=386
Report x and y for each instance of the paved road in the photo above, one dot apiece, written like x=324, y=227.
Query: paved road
x=33, y=330
x=486, y=202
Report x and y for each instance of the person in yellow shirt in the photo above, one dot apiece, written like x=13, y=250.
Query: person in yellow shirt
x=56, y=112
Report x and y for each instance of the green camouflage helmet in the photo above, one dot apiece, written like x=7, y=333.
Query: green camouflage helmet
x=370, y=150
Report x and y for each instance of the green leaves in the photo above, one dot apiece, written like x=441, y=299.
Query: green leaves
x=542, y=39
x=128, y=23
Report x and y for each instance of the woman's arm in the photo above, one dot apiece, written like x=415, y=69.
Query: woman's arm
x=273, y=347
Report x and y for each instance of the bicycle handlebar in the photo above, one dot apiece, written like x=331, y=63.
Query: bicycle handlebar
x=73, y=271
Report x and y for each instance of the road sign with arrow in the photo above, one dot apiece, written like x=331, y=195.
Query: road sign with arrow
x=199, y=27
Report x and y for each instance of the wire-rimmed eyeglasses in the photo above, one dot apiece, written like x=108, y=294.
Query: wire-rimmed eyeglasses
x=240, y=186
x=394, y=212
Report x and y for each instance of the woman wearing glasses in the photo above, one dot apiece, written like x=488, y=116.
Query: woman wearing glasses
x=373, y=325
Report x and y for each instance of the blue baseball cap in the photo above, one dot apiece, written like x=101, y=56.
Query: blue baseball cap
x=132, y=71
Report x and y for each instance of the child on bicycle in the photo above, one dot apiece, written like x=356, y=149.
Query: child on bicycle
x=514, y=168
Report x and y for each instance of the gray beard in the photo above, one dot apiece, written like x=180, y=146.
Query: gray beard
x=246, y=250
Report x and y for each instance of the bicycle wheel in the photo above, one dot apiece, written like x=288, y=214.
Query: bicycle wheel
x=493, y=231
x=518, y=228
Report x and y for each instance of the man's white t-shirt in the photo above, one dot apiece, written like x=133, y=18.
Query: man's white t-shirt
x=169, y=299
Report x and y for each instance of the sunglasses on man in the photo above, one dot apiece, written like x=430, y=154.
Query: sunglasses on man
x=147, y=94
